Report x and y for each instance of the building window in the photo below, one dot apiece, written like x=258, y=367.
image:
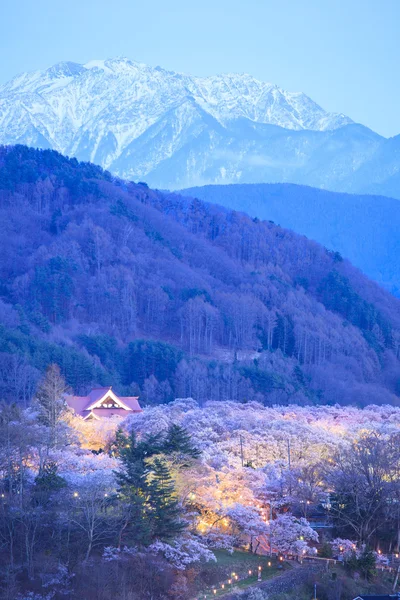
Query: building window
x=108, y=403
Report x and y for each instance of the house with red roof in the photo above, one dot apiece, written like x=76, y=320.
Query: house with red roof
x=102, y=403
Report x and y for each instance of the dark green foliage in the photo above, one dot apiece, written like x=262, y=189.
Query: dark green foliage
x=20, y=165
x=325, y=550
x=364, y=564
x=132, y=458
x=337, y=294
x=54, y=223
x=283, y=336
x=262, y=337
x=373, y=341
x=156, y=237
x=38, y=319
x=52, y=288
x=132, y=486
x=153, y=235
x=145, y=358
x=337, y=257
x=9, y=412
x=23, y=320
x=262, y=381
x=104, y=347
x=165, y=512
x=301, y=281
x=188, y=293
x=47, y=483
x=78, y=370
x=146, y=486
x=298, y=375
x=120, y=209
x=178, y=440
x=134, y=453
x=168, y=291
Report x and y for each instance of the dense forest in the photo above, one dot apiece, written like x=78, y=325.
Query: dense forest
x=168, y=296
x=363, y=228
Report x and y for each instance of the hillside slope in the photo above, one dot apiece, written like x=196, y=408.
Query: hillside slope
x=170, y=296
x=364, y=229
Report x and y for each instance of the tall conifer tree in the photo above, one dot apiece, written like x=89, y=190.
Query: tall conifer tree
x=165, y=510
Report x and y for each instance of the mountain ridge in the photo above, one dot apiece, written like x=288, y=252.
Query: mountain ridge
x=79, y=108
x=206, y=90
x=176, y=131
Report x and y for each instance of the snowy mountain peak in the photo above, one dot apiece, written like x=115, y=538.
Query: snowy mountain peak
x=115, y=65
x=65, y=69
x=105, y=110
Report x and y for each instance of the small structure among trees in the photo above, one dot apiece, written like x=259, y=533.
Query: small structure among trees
x=102, y=403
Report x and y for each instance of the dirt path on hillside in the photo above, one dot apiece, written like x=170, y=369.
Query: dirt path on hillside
x=297, y=576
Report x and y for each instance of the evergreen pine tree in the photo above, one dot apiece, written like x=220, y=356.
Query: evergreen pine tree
x=151, y=445
x=127, y=447
x=179, y=440
x=164, y=511
x=146, y=488
x=131, y=479
x=47, y=483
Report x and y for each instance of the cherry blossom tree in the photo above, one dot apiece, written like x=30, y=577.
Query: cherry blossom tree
x=183, y=551
x=289, y=535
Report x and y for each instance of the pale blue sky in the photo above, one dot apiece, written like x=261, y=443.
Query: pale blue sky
x=345, y=54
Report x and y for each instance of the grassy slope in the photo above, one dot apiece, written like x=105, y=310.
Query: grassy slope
x=213, y=575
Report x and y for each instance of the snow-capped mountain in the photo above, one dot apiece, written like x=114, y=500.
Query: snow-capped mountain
x=175, y=130
x=105, y=105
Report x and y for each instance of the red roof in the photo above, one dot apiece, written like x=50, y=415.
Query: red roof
x=95, y=404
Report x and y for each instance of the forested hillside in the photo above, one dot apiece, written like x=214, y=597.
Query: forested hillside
x=363, y=228
x=168, y=296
